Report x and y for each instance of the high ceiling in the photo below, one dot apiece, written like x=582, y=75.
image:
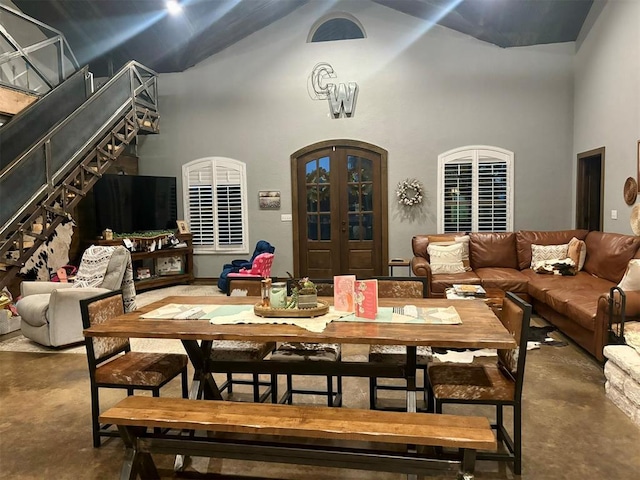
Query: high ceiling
x=112, y=32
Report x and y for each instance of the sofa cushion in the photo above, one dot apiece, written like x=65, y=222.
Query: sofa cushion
x=524, y=239
x=507, y=279
x=609, y=253
x=446, y=259
x=539, y=284
x=439, y=283
x=33, y=309
x=493, y=249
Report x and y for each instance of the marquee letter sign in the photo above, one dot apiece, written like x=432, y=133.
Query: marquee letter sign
x=341, y=97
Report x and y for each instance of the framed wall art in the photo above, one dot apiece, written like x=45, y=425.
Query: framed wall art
x=269, y=199
x=182, y=226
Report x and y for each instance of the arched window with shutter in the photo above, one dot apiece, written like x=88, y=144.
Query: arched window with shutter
x=475, y=190
x=215, y=204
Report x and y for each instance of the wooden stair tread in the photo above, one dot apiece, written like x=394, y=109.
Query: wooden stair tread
x=304, y=421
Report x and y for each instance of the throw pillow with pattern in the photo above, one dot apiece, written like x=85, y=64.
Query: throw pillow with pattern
x=446, y=259
x=541, y=253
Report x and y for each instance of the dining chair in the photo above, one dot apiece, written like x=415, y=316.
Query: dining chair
x=397, y=287
x=112, y=364
x=235, y=350
x=497, y=384
x=311, y=352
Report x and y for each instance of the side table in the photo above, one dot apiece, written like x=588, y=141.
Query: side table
x=399, y=262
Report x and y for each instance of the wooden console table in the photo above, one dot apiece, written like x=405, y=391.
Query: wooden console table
x=147, y=259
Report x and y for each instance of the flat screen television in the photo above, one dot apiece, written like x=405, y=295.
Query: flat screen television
x=135, y=203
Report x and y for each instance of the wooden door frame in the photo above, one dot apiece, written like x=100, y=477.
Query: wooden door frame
x=580, y=182
x=384, y=214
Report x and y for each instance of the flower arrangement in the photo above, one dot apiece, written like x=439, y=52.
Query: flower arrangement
x=409, y=192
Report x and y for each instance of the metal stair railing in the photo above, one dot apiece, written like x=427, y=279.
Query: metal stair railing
x=45, y=183
x=22, y=66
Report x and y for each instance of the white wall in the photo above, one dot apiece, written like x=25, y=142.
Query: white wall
x=423, y=91
x=607, y=101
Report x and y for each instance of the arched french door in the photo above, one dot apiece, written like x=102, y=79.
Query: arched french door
x=340, y=209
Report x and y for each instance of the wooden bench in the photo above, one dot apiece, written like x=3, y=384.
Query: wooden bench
x=137, y=416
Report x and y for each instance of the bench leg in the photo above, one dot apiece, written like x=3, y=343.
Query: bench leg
x=468, y=465
x=136, y=463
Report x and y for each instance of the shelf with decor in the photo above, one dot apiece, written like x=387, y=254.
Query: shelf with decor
x=156, y=262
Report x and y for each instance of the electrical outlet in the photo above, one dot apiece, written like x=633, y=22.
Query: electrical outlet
x=286, y=217
x=614, y=214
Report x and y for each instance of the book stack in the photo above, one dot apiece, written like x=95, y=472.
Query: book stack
x=469, y=291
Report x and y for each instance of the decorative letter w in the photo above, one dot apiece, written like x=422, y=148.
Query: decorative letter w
x=339, y=99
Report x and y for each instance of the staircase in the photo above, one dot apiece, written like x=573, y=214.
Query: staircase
x=53, y=152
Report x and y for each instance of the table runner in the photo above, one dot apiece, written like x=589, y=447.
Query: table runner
x=240, y=314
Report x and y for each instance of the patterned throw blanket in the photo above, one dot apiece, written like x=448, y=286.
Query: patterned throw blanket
x=93, y=268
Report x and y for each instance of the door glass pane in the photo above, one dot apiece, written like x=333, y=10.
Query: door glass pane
x=323, y=170
x=312, y=199
x=354, y=227
x=354, y=198
x=367, y=226
x=367, y=197
x=366, y=167
x=353, y=173
x=312, y=171
x=324, y=197
x=312, y=227
x=325, y=227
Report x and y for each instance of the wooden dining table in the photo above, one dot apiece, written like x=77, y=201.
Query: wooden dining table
x=480, y=328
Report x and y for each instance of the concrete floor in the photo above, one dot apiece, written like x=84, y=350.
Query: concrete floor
x=571, y=431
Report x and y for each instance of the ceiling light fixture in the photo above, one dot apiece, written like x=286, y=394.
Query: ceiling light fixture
x=174, y=7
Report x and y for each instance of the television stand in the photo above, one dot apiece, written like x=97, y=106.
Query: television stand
x=160, y=267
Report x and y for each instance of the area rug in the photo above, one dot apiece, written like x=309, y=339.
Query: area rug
x=23, y=344
x=537, y=336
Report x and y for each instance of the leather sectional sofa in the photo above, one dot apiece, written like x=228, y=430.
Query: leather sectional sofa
x=577, y=305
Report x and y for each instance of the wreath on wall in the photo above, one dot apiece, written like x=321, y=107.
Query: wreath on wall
x=410, y=192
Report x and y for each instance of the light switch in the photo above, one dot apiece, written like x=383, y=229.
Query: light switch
x=614, y=214
x=286, y=217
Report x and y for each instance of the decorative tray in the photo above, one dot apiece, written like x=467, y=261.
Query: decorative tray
x=321, y=309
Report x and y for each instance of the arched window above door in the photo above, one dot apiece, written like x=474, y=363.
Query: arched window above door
x=475, y=190
x=336, y=26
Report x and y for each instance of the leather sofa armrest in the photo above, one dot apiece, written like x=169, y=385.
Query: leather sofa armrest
x=632, y=304
x=35, y=288
x=421, y=268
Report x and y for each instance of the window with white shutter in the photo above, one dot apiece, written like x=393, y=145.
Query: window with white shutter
x=215, y=203
x=475, y=190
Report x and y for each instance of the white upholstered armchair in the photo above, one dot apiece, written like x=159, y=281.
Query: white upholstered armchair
x=50, y=311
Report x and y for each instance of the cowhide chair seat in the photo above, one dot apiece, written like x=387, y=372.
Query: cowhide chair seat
x=312, y=352
x=398, y=354
x=245, y=351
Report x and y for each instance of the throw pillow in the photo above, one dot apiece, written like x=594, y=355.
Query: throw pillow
x=452, y=240
x=577, y=252
x=541, y=253
x=446, y=259
x=631, y=279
